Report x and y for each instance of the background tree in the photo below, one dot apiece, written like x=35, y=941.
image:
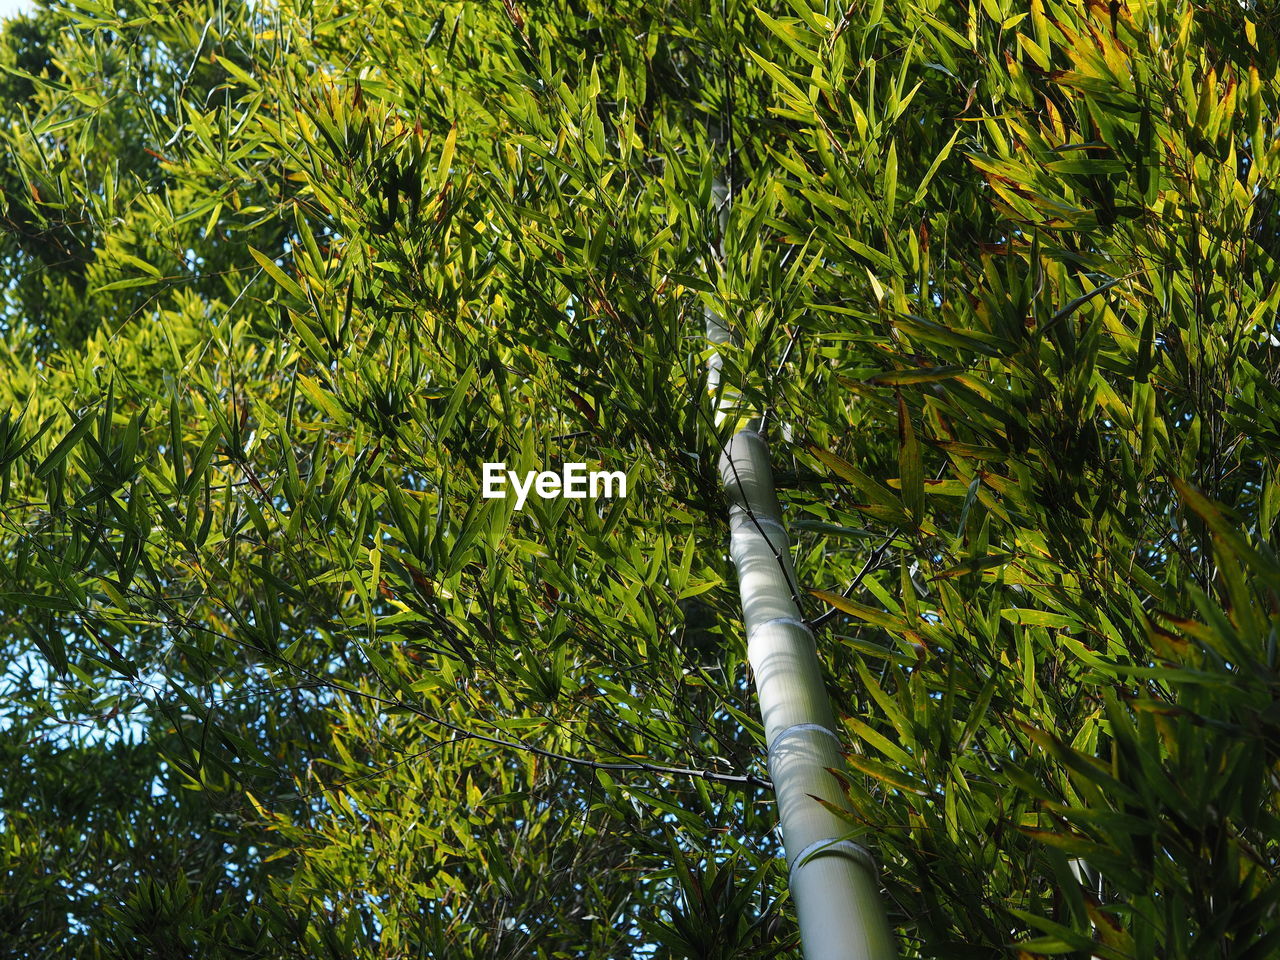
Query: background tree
x=281, y=278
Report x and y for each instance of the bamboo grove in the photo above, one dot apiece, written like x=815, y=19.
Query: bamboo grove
x=280, y=277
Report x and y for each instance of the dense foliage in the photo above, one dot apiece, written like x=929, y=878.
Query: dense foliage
x=279, y=278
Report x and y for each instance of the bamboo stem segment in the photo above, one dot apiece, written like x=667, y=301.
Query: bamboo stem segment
x=832, y=879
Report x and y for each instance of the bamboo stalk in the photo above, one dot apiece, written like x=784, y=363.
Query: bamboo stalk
x=833, y=880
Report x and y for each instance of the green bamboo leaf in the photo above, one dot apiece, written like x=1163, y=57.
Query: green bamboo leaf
x=1227, y=532
x=909, y=464
x=235, y=70
x=446, y=155
x=456, y=398
x=861, y=611
x=890, y=775
x=289, y=285
x=1039, y=618
x=14, y=601
x=977, y=565
x=874, y=491
x=779, y=77
x=890, y=179
x=128, y=283
x=58, y=455
x=897, y=378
